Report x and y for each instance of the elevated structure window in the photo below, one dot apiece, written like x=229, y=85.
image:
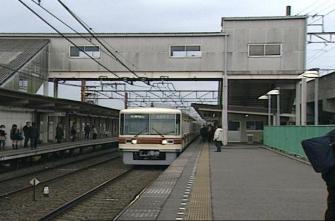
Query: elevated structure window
x=255, y=125
x=262, y=50
x=185, y=51
x=93, y=51
x=23, y=85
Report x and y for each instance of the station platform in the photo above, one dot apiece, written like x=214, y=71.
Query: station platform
x=50, y=148
x=243, y=182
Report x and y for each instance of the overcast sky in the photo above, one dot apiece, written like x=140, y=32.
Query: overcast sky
x=167, y=16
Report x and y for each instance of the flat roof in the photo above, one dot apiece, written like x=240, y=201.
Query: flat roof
x=11, y=98
x=156, y=34
x=259, y=18
x=150, y=110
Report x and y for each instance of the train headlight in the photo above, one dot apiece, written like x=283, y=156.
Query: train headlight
x=134, y=141
x=164, y=142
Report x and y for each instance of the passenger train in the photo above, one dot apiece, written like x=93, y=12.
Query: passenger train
x=154, y=136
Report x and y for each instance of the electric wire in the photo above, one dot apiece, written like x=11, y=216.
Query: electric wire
x=307, y=7
x=97, y=39
x=68, y=26
x=89, y=30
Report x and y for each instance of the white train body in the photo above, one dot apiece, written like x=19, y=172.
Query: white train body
x=154, y=136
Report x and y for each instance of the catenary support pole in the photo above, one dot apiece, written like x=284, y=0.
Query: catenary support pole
x=225, y=94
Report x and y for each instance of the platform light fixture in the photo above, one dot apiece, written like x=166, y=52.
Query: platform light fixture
x=267, y=97
x=312, y=74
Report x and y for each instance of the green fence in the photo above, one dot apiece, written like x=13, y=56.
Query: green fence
x=288, y=138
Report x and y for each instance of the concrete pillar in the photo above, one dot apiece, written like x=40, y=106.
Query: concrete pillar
x=316, y=101
x=269, y=110
x=303, y=101
x=278, y=109
x=46, y=88
x=55, y=88
x=298, y=103
x=225, y=94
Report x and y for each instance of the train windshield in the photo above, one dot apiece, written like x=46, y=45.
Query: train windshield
x=150, y=124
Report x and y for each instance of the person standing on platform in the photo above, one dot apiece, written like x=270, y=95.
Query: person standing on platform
x=26, y=133
x=218, y=138
x=329, y=178
x=210, y=133
x=73, y=132
x=204, y=133
x=34, y=135
x=95, y=132
x=59, y=133
x=15, y=136
x=2, y=137
x=87, y=130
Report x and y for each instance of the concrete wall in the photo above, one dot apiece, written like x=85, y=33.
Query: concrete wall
x=242, y=118
x=144, y=53
x=38, y=66
x=288, y=32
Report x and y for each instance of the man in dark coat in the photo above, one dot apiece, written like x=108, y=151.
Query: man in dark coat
x=27, y=134
x=329, y=178
x=73, y=132
x=34, y=135
x=59, y=133
x=204, y=133
x=87, y=130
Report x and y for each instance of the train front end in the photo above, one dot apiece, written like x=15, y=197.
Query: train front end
x=150, y=136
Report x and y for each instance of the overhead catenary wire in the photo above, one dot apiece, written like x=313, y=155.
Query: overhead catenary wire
x=68, y=39
x=68, y=26
x=315, y=8
x=96, y=38
x=65, y=37
x=310, y=5
x=89, y=30
x=81, y=35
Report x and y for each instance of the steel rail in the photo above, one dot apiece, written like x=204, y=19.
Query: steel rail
x=56, y=177
x=70, y=204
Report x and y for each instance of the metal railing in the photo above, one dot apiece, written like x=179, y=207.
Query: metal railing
x=288, y=138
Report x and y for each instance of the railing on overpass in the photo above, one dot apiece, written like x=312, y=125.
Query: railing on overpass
x=288, y=138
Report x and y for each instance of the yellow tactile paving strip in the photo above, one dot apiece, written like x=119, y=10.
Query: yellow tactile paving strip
x=199, y=206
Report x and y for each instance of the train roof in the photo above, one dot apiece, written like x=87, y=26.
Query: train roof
x=151, y=110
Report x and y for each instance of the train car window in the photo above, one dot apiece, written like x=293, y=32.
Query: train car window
x=162, y=124
x=136, y=124
x=178, y=124
x=122, y=124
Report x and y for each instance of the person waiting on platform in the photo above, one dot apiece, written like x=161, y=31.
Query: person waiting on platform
x=87, y=130
x=15, y=136
x=26, y=133
x=73, y=132
x=2, y=137
x=211, y=130
x=218, y=138
x=59, y=133
x=204, y=133
x=95, y=132
x=34, y=135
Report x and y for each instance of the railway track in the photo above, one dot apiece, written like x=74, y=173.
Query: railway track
x=21, y=206
x=70, y=204
x=106, y=201
x=21, y=183
x=117, y=183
